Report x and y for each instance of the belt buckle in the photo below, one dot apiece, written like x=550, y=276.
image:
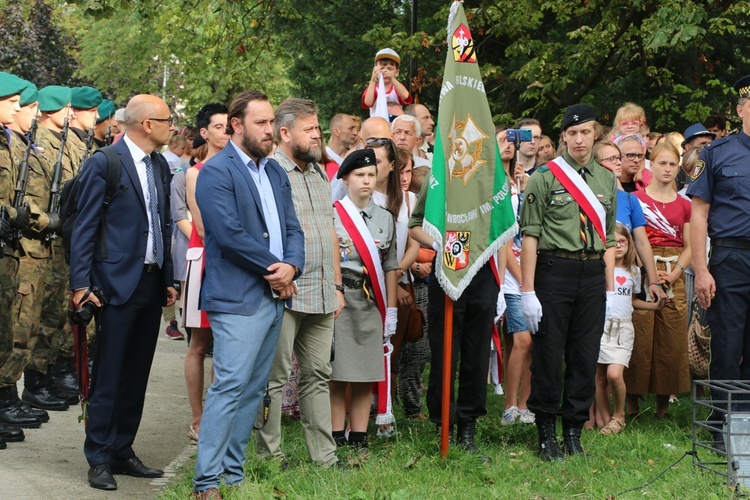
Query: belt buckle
x=584, y=255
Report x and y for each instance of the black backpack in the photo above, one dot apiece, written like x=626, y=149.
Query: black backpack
x=69, y=200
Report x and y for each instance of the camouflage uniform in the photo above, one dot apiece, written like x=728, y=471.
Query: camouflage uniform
x=76, y=146
x=35, y=254
x=55, y=334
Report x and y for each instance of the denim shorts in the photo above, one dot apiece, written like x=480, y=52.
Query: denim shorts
x=513, y=314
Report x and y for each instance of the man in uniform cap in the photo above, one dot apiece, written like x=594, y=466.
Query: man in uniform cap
x=567, y=261
x=720, y=193
x=106, y=126
x=84, y=101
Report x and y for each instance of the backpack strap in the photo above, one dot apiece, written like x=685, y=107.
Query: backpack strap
x=114, y=169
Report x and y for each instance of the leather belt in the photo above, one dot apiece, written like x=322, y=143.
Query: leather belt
x=352, y=283
x=731, y=243
x=582, y=255
x=151, y=268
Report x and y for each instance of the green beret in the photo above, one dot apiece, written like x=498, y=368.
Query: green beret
x=85, y=98
x=11, y=84
x=105, y=110
x=53, y=98
x=29, y=95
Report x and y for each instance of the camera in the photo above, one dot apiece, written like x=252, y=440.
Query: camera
x=83, y=314
x=517, y=135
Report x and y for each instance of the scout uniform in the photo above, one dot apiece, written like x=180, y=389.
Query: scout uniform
x=722, y=179
x=570, y=285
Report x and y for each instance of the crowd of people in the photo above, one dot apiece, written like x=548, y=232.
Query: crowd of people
x=277, y=254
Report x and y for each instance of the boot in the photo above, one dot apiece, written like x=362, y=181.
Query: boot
x=11, y=413
x=572, y=439
x=549, y=450
x=27, y=409
x=465, y=440
x=64, y=375
x=11, y=434
x=37, y=393
x=58, y=390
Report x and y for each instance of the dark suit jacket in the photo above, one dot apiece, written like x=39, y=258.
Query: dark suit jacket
x=125, y=228
x=236, y=237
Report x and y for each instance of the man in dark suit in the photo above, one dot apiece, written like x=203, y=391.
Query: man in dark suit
x=135, y=274
x=254, y=248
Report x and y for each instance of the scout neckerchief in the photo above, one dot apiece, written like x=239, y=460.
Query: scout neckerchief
x=355, y=226
x=581, y=193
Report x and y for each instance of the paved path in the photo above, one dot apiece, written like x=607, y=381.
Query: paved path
x=50, y=462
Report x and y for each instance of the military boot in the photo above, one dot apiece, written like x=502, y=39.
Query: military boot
x=58, y=390
x=572, y=439
x=548, y=448
x=465, y=440
x=11, y=434
x=37, y=392
x=11, y=413
x=27, y=409
x=64, y=375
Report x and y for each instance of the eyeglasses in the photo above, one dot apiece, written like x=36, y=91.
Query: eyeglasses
x=169, y=121
x=634, y=156
x=621, y=242
x=611, y=159
x=379, y=142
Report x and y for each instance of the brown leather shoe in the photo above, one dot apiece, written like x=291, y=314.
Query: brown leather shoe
x=209, y=494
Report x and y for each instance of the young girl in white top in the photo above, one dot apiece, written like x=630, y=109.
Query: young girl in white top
x=617, y=340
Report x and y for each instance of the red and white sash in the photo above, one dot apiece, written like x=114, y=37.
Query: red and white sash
x=581, y=193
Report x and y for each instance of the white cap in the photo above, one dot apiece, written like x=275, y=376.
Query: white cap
x=387, y=54
x=120, y=115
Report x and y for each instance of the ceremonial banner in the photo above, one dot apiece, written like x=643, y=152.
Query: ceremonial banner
x=468, y=209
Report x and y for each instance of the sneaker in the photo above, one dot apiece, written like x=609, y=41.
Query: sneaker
x=173, y=332
x=499, y=390
x=510, y=416
x=526, y=417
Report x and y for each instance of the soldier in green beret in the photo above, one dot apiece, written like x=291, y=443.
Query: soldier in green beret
x=12, y=220
x=106, y=125
x=84, y=101
x=35, y=250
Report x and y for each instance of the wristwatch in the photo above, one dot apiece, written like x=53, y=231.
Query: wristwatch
x=340, y=288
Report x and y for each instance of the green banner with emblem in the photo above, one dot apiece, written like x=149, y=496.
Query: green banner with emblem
x=468, y=208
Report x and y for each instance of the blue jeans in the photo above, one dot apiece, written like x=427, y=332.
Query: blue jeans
x=244, y=348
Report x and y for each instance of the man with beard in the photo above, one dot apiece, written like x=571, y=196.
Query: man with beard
x=254, y=249
x=307, y=326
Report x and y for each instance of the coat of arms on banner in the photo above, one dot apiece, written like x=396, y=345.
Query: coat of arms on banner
x=456, y=251
x=466, y=148
x=463, y=45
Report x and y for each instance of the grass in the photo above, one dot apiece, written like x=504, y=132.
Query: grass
x=409, y=466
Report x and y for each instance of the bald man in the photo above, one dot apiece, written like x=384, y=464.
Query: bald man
x=128, y=259
x=375, y=127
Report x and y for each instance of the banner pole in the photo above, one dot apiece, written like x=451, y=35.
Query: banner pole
x=445, y=415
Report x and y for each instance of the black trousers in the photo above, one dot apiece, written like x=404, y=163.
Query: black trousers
x=729, y=319
x=573, y=297
x=473, y=314
x=125, y=348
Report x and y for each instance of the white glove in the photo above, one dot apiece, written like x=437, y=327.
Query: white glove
x=532, y=310
x=500, y=307
x=391, y=321
x=610, y=302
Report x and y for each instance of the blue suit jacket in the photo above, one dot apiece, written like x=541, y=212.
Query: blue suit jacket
x=125, y=229
x=236, y=237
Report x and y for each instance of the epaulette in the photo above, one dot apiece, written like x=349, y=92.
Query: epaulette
x=720, y=142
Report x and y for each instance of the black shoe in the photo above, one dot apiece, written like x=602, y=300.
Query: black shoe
x=101, y=478
x=549, y=450
x=41, y=397
x=465, y=440
x=572, y=440
x=11, y=412
x=134, y=467
x=71, y=398
x=29, y=410
x=64, y=375
x=11, y=434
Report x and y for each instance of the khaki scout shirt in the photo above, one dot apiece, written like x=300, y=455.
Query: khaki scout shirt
x=550, y=213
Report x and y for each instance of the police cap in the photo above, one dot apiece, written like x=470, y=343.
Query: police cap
x=357, y=159
x=742, y=86
x=696, y=130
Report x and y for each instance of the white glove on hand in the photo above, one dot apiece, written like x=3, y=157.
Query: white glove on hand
x=532, y=310
x=391, y=321
x=500, y=308
x=610, y=301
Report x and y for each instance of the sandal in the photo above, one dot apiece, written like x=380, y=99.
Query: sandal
x=613, y=427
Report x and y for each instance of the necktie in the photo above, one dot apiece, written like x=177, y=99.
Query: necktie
x=586, y=229
x=153, y=210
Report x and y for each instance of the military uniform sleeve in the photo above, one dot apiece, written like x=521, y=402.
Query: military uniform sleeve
x=703, y=177
x=417, y=215
x=534, y=205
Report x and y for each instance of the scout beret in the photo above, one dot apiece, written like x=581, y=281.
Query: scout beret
x=387, y=54
x=85, y=98
x=742, y=86
x=29, y=95
x=357, y=159
x=106, y=109
x=696, y=130
x=577, y=114
x=53, y=98
x=11, y=84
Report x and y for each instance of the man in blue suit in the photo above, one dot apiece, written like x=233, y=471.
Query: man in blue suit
x=124, y=251
x=254, y=249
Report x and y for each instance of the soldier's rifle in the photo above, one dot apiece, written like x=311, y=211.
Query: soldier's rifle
x=89, y=146
x=55, y=191
x=19, y=201
x=108, y=136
